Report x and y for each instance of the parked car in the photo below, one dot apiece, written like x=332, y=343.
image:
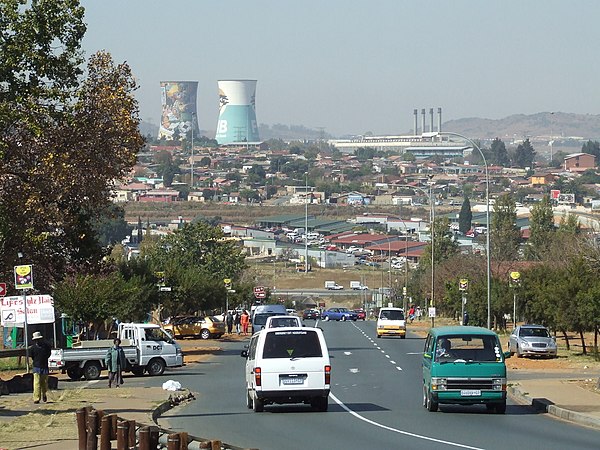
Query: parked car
x=311, y=314
x=342, y=314
x=361, y=314
x=195, y=326
x=532, y=340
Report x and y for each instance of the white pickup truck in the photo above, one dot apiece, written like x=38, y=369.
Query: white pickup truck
x=333, y=286
x=147, y=347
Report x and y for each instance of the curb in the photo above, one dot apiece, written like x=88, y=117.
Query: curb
x=546, y=406
x=170, y=403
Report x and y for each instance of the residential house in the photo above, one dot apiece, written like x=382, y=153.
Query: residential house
x=579, y=162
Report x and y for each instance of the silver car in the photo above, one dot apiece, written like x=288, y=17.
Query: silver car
x=532, y=340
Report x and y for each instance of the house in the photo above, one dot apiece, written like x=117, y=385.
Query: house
x=541, y=179
x=579, y=162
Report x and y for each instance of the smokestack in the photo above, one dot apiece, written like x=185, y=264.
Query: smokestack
x=416, y=113
x=431, y=117
x=439, y=120
x=423, y=121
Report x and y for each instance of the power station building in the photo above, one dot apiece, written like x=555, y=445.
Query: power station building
x=178, y=118
x=237, y=112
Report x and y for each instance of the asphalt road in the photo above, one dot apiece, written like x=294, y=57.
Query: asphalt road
x=375, y=402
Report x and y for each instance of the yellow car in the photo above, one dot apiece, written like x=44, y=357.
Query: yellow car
x=195, y=326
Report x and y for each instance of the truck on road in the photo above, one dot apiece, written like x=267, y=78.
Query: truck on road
x=358, y=286
x=332, y=285
x=147, y=347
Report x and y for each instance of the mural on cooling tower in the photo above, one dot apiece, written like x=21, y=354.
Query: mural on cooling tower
x=237, y=112
x=178, y=100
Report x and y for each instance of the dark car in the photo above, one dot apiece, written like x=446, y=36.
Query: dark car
x=310, y=314
x=360, y=314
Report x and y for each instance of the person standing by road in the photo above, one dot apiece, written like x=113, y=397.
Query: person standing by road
x=229, y=322
x=245, y=321
x=40, y=352
x=115, y=363
x=237, y=322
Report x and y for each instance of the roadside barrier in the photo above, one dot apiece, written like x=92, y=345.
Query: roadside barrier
x=93, y=423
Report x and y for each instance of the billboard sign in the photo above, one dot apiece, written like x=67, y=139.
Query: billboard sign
x=40, y=309
x=554, y=193
x=566, y=198
x=24, y=277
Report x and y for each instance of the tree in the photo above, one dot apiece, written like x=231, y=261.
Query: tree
x=111, y=227
x=506, y=236
x=444, y=245
x=465, y=216
x=167, y=169
x=525, y=155
x=499, y=154
x=541, y=227
x=593, y=148
x=365, y=153
x=63, y=141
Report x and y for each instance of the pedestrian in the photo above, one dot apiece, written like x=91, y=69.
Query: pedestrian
x=229, y=322
x=411, y=313
x=466, y=318
x=40, y=352
x=418, y=312
x=236, y=322
x=115, y=363
x=245, y=321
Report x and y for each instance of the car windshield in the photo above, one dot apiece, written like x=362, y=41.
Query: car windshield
x=261, y=319
x=283, y=322
x=392, y=314
x=534, y=332
x=468, y=348
x=292, y=344
x=343, y=310
x=156, y=334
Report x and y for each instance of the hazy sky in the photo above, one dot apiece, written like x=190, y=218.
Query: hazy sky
x=353, y=66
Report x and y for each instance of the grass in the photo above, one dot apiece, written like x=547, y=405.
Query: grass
x=13, y=363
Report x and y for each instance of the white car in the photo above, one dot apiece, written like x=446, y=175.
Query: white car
x=287, y=365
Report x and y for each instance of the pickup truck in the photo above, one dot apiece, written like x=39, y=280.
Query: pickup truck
x=332, y=285
x=147, y=347
x=358, y=286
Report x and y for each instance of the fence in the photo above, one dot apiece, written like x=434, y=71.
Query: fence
x=93, y=423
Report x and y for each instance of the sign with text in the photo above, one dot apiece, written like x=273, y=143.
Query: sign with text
x=24, y=277
x=259, y=292
x=2, y=289
x=40, y=309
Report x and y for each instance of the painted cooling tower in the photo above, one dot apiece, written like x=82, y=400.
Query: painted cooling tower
x=178, y=100
x=237, y=112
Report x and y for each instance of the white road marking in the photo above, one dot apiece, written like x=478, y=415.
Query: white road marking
x=93, y=381
x=415, y=353
x=347, y=353
x=399, y=368
x=354, y=370
x=395, y=430
x=387, y=356
x=393, y=362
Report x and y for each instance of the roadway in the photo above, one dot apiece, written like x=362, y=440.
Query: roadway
x=375, y=402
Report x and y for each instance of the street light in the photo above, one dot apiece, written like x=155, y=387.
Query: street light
x=487, y=215
x=306, y=223
x=192, y=157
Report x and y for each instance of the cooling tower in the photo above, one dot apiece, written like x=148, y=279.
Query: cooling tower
x=178, y=100
x=237, y=112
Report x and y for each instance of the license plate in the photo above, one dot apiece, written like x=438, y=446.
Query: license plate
x=295, y=380
x=470, y=393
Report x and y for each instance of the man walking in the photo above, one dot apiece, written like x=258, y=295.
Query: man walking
x=40, y=352
x=115, y=363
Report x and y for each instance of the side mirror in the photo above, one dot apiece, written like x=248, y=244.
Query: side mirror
x=506, y=355
x=427, y=355
x=244, y=353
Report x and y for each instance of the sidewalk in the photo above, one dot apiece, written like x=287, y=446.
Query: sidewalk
x=560, y=397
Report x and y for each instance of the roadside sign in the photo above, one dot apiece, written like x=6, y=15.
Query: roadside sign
x=431, y=311
x=24, y=277
x=227, y=282
x=40, y=309
x=2, y=289
x=463, y=284
x=259, y=292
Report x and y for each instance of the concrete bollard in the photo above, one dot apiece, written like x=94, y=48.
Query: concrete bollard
x=92, y=430
x=106, y=433
x=81, y=415
x=123, y=435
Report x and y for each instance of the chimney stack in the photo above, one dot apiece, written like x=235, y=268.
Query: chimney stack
x=416, y=113
x=431, y=117
x=439, y=120
x=422, y=120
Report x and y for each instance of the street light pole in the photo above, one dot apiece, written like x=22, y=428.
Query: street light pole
x=432, y=234
x=192, y=157
x=306, y=223
x=487, y=216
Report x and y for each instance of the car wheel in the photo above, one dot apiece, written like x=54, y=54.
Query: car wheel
x=320, y=403
x=156, y=367
x=204, y=334
x=249, y=402
x=432, y=405
x=403, y=336
x=519, y=355
x=344, y=318
x=500, y=408
x=258, y=405
x=378, y=336
x=424, y=396
x=92, y=370
x=137, y=371
x=326, y=318
x=74, y=373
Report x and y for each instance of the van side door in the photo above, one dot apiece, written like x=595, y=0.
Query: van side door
x=251, y=362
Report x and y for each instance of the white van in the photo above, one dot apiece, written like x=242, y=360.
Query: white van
x=391, y=322
x=262, y=312
x=287, y=365
x=283, y=321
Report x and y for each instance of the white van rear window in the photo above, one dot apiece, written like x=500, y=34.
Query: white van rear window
x=292, y=344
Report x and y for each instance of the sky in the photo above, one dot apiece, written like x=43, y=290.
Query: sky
x=357, y=66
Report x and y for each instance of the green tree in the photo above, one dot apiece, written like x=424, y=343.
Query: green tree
x=365, y=153
x=505, y=234
x=541, y=227
x=499, y=154
x=465, y=216
x=444, y=246
x=593, y=148
x=112, y=227
x=166, y=167
x=525, y=154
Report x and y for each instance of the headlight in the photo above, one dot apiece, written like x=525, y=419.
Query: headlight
x=552, y=344
x=524, y=344
x=438, y=384
x=499, y=384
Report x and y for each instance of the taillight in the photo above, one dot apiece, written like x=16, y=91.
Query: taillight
x=327, y=374
x=257, y=379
